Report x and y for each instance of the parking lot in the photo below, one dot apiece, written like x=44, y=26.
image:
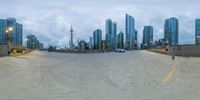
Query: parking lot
x=133, y=75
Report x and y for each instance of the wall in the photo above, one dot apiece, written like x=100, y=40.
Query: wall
x=185, y=50
x=3, y=50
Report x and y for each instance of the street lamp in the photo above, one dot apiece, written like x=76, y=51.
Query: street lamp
x=6, y=31
x=10, y=29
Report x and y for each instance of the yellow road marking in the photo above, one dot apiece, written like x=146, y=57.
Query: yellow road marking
x=169, y=74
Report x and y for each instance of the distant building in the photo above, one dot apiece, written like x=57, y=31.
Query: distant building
x=90, y=43
x=41, y=46
x=197, y=31
x=111, y=33
x=11, y=31
x=131, y=41
x=32, y=42
x=171, y=31
x=97, y=37
x=162, y=42
x=120, y=40
x=147, y=41
x=103, y=44
x=82, y=45
x=3, y=28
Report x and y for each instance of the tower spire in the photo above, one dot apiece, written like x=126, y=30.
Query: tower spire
x=71, y=30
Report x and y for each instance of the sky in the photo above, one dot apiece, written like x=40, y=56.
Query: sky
x=50, y=20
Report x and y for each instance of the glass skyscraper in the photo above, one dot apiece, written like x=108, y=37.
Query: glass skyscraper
x=131, y=33
x=97, y=37
x=19, y=31
x=147, y=41
x=114, y=36
x=3, y=25
x=108, y=32
x=120, y=40
x=197, y=31
x=111, y=33
x=171, y=31
x=16, y=33
x=11, y=22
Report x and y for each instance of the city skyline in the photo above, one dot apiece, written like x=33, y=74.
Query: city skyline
x=49, y=23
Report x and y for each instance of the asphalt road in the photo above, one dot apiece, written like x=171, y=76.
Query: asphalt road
x=134, y=75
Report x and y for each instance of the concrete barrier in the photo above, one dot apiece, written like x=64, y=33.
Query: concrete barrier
x=3, y=50
x=185, y=50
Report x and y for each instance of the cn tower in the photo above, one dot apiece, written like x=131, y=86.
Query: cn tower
x=71, y=41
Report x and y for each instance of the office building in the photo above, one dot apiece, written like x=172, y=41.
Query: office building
x=197, y=31
x=97, y=37
x=147, y=41
x=120, y=40
x=19, y=31
x=82, y=45
x=11, y=31
x=131, y=34
x=171, y=31
x=111, y=33
x=41, y=46
x=3, y=25
x=32, y=42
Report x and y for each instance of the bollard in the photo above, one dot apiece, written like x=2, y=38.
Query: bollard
x=173, y=57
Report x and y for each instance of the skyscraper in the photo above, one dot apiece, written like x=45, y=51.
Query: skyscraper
x=19, y=32
x=11, y=31
x=111, y=33
x=120, y=40
x=3, y=25
x=97, y=37
x=197, y=31
x=11, y=23
x=147, y=41
x=114, y=35
x=171, y=31
x=131, y=33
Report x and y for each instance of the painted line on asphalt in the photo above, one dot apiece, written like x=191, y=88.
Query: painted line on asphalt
x=169, y=74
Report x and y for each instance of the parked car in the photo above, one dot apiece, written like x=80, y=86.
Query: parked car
x=120, y=50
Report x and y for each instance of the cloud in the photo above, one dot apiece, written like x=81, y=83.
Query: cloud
x=50, y=20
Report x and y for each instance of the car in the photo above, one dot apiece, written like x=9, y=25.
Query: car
x=120, y=50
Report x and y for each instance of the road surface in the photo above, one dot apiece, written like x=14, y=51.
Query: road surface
x=134, y=75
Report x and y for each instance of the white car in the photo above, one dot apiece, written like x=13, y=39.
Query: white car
x=120, y=50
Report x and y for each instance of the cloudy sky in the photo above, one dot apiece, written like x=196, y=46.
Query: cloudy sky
x=50, y=20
